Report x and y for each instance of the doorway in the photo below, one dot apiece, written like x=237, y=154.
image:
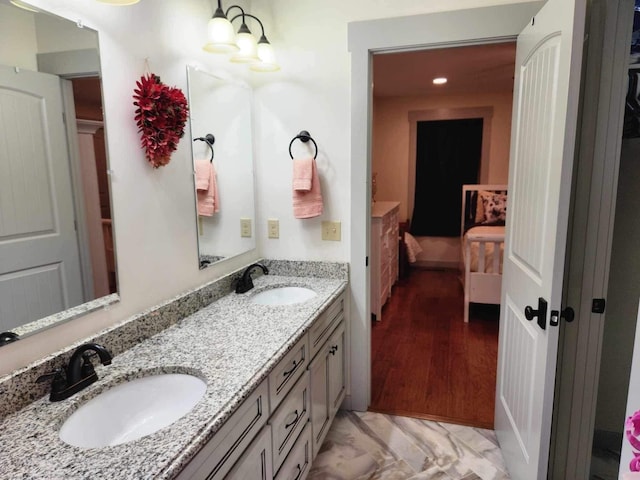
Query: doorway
x=426, y=361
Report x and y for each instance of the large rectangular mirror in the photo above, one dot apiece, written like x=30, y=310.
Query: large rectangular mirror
x=221, y=126
x=57, y=259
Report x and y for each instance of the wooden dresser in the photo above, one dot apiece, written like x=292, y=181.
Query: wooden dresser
x=384, y=253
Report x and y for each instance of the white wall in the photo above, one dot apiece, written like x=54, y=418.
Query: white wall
x=153, y=209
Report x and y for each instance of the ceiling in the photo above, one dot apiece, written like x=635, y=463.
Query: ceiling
x=478, y=68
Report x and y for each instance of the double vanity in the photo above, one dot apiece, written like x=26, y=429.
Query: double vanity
x=267, y=368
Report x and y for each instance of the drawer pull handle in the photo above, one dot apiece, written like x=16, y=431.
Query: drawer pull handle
x=293, y=422
x=293, y=368
x=299, y=468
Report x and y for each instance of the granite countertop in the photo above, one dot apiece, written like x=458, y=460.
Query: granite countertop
x=232, y=344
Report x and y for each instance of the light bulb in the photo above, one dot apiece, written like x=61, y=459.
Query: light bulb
x=220, y=35
x=267, y=57
x=248, y=48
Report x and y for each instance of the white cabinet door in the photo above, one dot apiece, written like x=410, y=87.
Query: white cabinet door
x=255, y=463
x=336, y=370
x=327, y=385
x=320, y=409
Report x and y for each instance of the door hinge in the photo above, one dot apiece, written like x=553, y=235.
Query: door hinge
x=366, y=261
x=597, y=305
x=64, y=118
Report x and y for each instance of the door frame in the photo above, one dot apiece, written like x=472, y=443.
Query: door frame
x=436, y=30
x=595, y=184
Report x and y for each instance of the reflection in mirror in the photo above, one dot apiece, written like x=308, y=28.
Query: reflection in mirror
x=223, y=165
x=57, y=259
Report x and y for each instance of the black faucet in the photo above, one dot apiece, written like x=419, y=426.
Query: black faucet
x=78, y=374
x=245, y=283
x=8, y=337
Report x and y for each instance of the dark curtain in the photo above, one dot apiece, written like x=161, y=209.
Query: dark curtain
x=448, y=154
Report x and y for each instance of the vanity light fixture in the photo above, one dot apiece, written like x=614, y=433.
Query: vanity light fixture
x=439, y=81
x=222, y=39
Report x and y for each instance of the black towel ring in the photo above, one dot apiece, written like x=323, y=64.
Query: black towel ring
x=304, y=137
x=209, y=140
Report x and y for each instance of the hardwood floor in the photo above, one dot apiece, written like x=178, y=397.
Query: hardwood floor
x=426, y=362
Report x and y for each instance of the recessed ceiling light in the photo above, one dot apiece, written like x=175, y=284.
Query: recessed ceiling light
x=439, y=81
x=24, y=6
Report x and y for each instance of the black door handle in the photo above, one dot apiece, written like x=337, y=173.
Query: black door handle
x=541, y=313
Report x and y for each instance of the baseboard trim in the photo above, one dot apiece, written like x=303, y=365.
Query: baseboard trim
x=435, y=418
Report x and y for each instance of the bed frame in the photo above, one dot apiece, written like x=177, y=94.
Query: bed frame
x=480, y=286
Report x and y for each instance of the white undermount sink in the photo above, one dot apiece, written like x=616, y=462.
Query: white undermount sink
x=132, y=410
x=283, y=296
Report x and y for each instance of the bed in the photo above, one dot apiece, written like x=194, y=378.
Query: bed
x=484, y=209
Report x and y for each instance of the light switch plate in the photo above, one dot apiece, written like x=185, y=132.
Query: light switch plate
x=274, y=228
x=331, y=231
x=245, y=227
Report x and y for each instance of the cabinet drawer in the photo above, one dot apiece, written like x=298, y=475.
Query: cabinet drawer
x=218, y=456
x=289, y=420
x=255, y=462
x=324, y=325
x=284, y=376
x=298, y=463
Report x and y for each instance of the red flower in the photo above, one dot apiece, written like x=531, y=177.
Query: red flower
x=160, y=116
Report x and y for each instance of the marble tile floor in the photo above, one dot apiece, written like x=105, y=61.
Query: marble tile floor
x=374, y=446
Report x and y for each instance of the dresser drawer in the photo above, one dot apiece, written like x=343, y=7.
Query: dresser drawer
x=386, y=221
x=284, y=376
x=288, y=421
x=298, y=463
x=325, y=323
x=218, y=456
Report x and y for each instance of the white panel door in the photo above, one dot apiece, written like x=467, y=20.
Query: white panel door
x=547, y=84
x=39, y=262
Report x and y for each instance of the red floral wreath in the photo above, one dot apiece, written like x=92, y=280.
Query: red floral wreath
x=161, y=116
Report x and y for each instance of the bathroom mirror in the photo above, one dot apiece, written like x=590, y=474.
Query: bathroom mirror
x=57, y=259
x=220, y=120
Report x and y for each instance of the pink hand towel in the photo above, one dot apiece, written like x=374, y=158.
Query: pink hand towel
x=308, y=204
x=208, y=199
x=203, y=173
x=302, y=174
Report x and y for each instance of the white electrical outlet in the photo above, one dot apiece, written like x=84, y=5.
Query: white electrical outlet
x=331, y=231
x=274, y=228
x=245, y=227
